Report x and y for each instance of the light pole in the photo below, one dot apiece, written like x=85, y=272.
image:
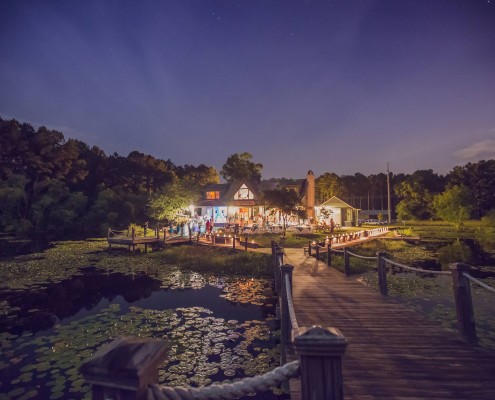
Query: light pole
x=388, y=197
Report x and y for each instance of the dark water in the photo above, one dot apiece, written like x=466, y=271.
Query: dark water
x=11, y=247
x=94, y=290
x=40, y=315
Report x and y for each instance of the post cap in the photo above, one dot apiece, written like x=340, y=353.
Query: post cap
x=459, y=267
x=317, y=341
x=125, y=363
x=287, y=268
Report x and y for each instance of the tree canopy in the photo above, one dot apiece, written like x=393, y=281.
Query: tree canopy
x=50, y=184
x=239, y=166
x=454, y=205
x=54, y=185
x=285, y=201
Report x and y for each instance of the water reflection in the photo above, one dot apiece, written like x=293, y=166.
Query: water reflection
x=94, y=289
x=217, y=332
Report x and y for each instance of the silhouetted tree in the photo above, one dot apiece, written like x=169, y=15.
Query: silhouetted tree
x=239, y=166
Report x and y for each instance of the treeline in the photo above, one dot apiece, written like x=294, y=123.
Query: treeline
x=65, y=187
x=471, y=186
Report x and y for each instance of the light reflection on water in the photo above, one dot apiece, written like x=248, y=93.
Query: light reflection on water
x=225, y=339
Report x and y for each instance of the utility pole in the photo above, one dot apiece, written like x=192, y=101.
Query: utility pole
x=388, y=197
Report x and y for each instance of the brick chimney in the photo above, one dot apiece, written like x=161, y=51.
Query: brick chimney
x=310, y=195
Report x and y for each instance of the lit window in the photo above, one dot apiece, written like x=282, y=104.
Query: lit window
x=212, y=195
x=243, y=193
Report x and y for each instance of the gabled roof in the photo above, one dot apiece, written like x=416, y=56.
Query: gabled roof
x=335, y=202
x=227, y=191
x=235, y=186
x=299, y=184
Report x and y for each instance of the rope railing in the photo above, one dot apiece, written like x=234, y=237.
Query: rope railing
x=337, y=251
x=361, y=257
x=227, y=391
x=426, y=271
x=478, y=282
x=116, y=232
x=292, y=312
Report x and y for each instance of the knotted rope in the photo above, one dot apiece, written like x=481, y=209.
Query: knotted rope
x=477, y=281
x=292, y=312
x=227, y=391
x=362, y=257
x=416, y=269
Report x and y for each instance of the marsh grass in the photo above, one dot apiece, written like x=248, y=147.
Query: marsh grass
x=482, y=231
x=215, y=260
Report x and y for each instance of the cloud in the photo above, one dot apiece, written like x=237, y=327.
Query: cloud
x=483, y=149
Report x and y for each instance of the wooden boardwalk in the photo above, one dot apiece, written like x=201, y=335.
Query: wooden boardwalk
x=133, y=242
x=394, y=352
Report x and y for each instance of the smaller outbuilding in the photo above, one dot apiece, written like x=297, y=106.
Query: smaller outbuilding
x=343, y=214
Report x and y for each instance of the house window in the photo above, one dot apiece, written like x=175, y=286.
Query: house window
x=212, y=195
x=243, y=193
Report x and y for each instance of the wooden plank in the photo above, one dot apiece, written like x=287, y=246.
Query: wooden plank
x=394, y=352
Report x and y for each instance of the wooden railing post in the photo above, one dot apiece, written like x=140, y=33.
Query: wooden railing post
x=246, y=243
x=347, y=264
x=233, y=242
x=213, y=240
x=278, y=262
x=320, y=351
x=123, y=369
x=309, y=248
x=274, y=253
x=317, y=255
x=280, y=254
x=382, y=274
x=329, y=254
x=463, y=302
x=108, y=237
x=133, y=237
x=285, y=324
x=190, y=232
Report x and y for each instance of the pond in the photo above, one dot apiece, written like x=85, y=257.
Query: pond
x=219, y=328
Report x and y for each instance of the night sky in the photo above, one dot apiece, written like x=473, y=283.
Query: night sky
x=336, y=86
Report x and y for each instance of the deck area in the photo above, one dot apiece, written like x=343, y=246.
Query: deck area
x=133, y=242
x=394, y=352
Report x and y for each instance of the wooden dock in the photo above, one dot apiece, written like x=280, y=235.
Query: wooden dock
x=131, y=240
x=394, y=352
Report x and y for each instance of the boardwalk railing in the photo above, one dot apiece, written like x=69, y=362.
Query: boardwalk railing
x=131, y=239
x=319, y=349
x=127, y=368
x=234, y=241
x=460, y=284
x=461, y=279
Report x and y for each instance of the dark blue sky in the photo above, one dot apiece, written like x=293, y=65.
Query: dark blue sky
x=337, y=86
